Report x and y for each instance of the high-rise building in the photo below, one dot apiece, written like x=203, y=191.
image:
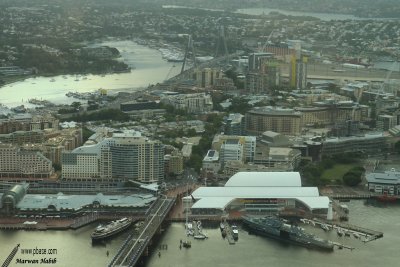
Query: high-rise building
x=246, y=145
x=234, y=124
x=256, y=60
x=124, y=156
x=298, y=72
x=207, y=77
x=262, y=79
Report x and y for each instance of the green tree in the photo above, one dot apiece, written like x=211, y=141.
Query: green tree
x=86, y=133
x=352, y=178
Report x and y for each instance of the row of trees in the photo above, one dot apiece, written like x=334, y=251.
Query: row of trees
x=101, y=115
x=213, y=125
x=67, y=62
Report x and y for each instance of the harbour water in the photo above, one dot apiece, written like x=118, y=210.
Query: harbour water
x=319, y=15
x=74, y=248
x=147, y=65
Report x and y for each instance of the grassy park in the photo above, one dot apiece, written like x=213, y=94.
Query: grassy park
x=336, y=172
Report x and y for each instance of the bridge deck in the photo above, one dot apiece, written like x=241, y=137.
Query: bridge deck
x=135, y=245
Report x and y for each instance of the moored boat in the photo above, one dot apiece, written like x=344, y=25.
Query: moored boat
x=110, y=229
x=222, y=226
x=200, y=236
x=186, y=244
x=340, y=231
x=235, y=232
x=325, y=227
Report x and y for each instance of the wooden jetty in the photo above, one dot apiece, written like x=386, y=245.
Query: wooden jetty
x=367, y=234
x=229, y=233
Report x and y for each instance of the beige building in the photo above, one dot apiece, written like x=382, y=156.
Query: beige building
x=173, y=163
x=277, y=157
x=192, y=103
x=207, y=77
x=284, y=121
x=27, y=122
x=19, y=163
x=335, y=113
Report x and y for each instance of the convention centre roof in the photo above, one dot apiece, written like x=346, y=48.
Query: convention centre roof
x=259, y=185
x=249, y=179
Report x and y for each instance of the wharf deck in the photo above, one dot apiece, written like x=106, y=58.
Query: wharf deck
x=367, y=234
x=229, y=233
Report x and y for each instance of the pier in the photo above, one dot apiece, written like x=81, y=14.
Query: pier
x=229, y=233
x=365, y=235
x=137, y=243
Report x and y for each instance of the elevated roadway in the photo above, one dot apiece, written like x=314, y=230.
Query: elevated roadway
x=216, y=62
x=137, y=243
x=338, y=72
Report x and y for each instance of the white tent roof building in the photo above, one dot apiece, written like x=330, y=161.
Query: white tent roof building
x=264, y=179
x=259, y=191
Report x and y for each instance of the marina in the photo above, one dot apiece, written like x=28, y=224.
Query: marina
x=147, y=67
x=245, y=252
x=346, y=230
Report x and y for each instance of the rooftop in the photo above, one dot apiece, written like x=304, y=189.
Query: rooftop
x=75, y=202
x=263, y=179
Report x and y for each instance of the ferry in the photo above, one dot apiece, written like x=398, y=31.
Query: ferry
x=114, y=227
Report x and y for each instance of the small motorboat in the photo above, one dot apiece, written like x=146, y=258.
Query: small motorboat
x=200, y=236
x=222, y=226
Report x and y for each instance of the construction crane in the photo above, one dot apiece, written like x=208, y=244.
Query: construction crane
x=262, y=48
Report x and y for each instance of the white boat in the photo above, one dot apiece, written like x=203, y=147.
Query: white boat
x=200, y=236
x=340, y=231
x=356, y=235
x=114, y=227
x=222, y=226
x=235, y=232
x=325, y=227
x=52, y=80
